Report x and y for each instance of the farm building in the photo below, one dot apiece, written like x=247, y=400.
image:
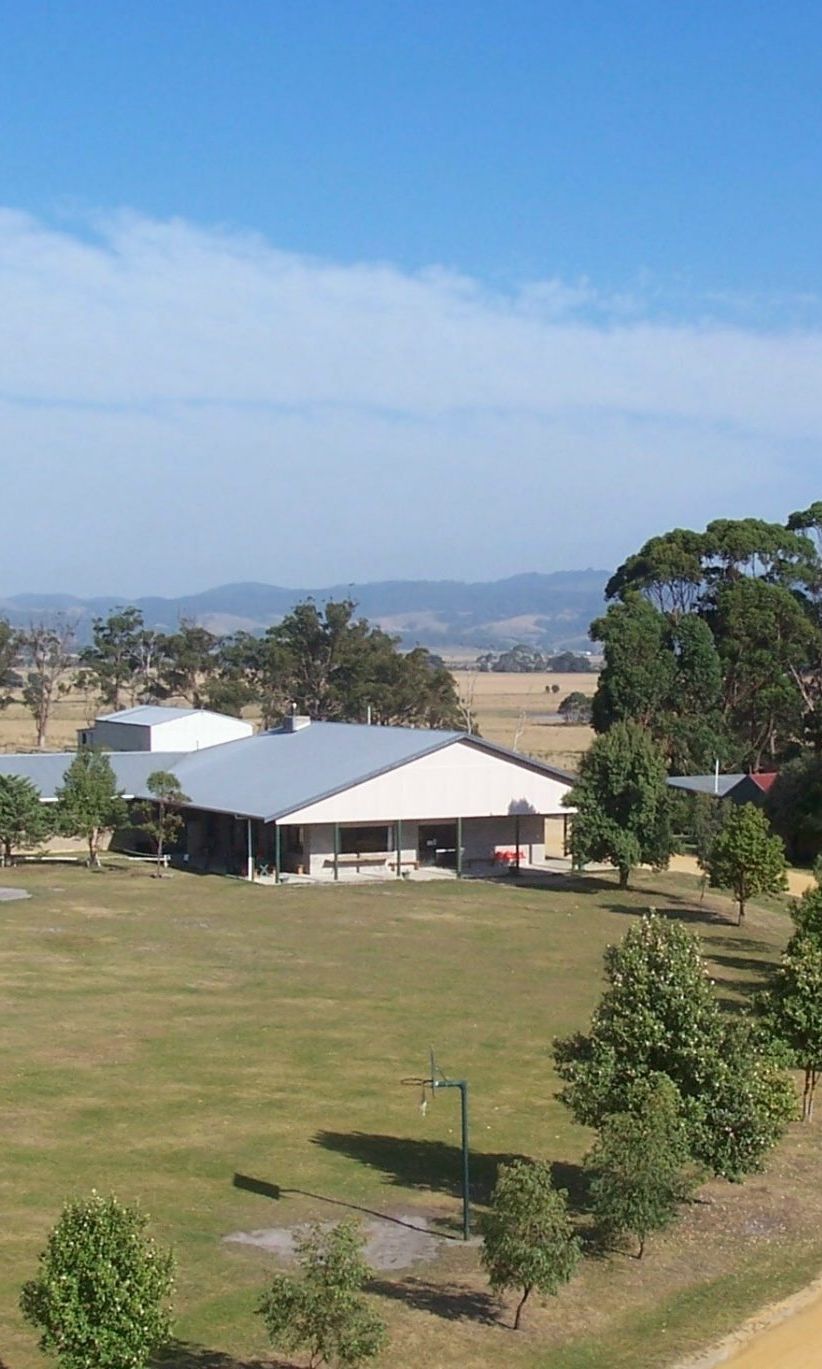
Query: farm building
x=152, y=728
x=751, y=788
x=323, y=799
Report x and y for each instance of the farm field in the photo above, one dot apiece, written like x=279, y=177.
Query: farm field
x=520, y=711
x=509, y=708
x=231, y=1056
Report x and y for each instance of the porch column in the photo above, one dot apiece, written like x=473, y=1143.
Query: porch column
x=249, y=849
x=336, y=850
x=459, y=848
x=277, y=853
x=516, y=839
x=399, y=848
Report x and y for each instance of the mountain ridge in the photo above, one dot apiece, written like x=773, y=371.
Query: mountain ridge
x=550, y=609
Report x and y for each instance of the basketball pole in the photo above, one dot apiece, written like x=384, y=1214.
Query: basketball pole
x=462, y=1085
x=437, y=1080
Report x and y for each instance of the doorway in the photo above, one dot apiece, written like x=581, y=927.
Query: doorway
x=437, y=844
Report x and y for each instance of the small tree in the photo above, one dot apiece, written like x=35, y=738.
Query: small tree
x=89, y=803
x=47, y=651
x=638, y=1169
x=528, y=1238
x=9, y=651
x=793, y=1007
x=575, y=707
x=101, y=1295
x=623, y=803
x=745, y=857
x=323, y=1311
x=24, y=821
x=162, y=819
x=659, y=1015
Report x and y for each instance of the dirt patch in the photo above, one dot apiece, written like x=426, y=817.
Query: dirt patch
x=9, y=895
x=394, y=1242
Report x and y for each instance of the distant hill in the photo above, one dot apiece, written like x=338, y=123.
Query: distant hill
x=543, y=610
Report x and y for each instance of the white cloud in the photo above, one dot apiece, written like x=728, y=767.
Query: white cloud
x=185, y=405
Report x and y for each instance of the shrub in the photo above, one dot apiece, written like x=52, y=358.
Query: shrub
x=100, y=1300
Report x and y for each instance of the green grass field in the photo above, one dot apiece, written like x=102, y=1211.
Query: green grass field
x=162, y=1037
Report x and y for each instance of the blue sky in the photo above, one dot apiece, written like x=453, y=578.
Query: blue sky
x=497, y=286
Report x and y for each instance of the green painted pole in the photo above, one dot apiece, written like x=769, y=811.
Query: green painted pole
x=466, y=1202
x=459, y=848
x=336, y=850
x=399, y=848
x=277, y=853
x=462, y=1085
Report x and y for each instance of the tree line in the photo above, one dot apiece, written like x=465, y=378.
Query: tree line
x=324, y=661
x=712, y=647
x=713, y=642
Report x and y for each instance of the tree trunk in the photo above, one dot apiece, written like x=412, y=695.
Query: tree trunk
x=624, y=876
x=161, y=819
x=741, y=912
x=520, y=1305
x=811, y=1077
x=93, y=855
x=641, y=1250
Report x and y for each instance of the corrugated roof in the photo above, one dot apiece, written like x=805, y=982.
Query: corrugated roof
x=46, y=770
x=706, y=784
x=148, y=715
x=274, y=773
x=763, y=779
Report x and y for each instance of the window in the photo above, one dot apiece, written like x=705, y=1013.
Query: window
x=360, y=840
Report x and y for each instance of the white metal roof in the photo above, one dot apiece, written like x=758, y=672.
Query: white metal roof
x=150, y=715
x=274, y=773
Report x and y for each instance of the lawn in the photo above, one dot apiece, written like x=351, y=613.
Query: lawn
x=204, y=1046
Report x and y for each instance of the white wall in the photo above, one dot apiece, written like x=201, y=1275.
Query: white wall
x=190, y=732
x=194, y=731
x=459, y=780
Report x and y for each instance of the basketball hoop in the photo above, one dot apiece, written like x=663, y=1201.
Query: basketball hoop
x=428, y=1086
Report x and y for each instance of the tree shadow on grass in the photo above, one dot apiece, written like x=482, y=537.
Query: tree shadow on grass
x=678, y=910
x=442, y=1300
x=747, y=964
x=741, y=943
x=182, y=1355
x=436, y=1166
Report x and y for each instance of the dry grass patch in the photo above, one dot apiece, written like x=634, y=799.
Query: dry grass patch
x=521, y=711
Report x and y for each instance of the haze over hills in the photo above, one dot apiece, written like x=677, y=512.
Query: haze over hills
x=548, y=611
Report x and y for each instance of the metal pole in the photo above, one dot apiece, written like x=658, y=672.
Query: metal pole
x=466, y=1208
x=459, y=848
x=462, y=1085
x=249, y=849
x=399, y=848
x=516, y=840
x=336, y=850
x=277, y=853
